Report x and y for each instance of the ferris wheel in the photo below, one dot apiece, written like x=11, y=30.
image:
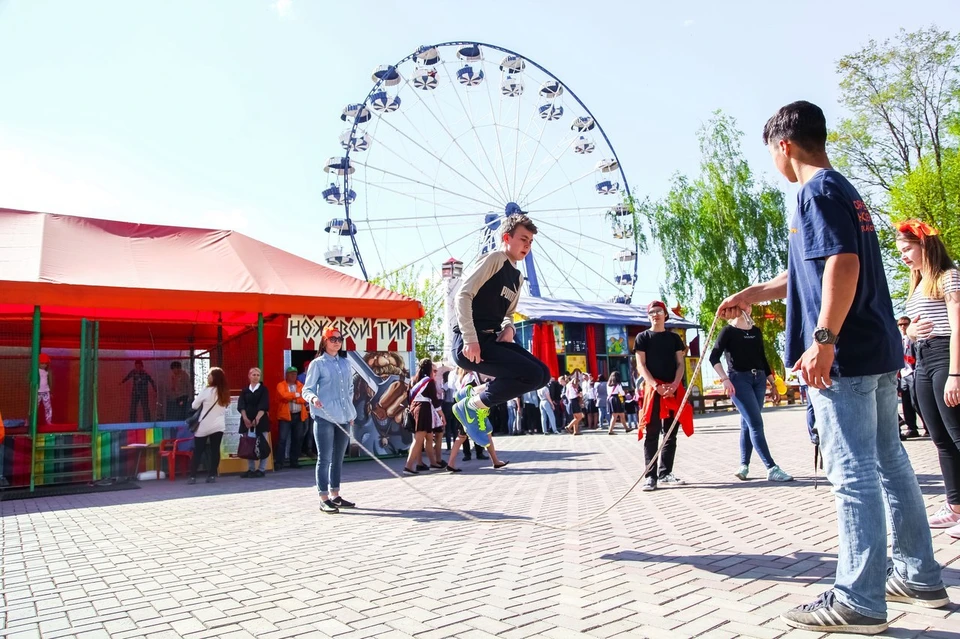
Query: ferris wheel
x=456, y=137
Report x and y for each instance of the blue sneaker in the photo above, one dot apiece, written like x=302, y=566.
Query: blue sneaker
x=474, y=422
x=464, y=393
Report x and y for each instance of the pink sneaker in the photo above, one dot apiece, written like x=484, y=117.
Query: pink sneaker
x=944, y=518
x=954, y=531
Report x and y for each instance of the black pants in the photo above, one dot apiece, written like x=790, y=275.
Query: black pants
x=907, y=399
x=450, y=429
x=209, y=445
x=651, y=442
x=943, y=422
x=514, y=369
x=293, y=432
x=139, y=399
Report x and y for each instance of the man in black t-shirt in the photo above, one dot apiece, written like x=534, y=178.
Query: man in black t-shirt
x=660, y=362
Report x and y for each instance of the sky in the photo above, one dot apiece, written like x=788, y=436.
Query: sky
x=221, y=113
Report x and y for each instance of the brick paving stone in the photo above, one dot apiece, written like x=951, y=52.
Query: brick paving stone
x=717, y=558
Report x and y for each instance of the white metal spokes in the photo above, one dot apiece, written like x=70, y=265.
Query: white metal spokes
x=462, y=144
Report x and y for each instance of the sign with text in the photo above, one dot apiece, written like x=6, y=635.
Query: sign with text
x=360, y=333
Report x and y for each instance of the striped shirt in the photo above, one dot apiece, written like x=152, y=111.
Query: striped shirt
x=935, y=310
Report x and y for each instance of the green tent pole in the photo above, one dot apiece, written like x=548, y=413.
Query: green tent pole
x=34, y=388
x=81, y=395
x=260, y=341
x=95, y=426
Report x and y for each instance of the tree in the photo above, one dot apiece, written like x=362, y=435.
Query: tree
x=900, y=143
x=721, y=231
x=412, y=283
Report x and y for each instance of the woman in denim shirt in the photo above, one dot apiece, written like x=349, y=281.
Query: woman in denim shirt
x=328, y=391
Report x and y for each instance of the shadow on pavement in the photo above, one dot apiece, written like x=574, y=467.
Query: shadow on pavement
x=802, y=567
x=354, y=472
x=426, y=516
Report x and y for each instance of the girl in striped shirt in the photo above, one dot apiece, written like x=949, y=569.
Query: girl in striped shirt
x=934, y=308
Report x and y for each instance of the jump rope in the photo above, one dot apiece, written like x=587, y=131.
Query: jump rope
x=440, y=505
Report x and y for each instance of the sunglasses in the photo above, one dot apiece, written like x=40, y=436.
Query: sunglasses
x=903, y=325
x=335, y=338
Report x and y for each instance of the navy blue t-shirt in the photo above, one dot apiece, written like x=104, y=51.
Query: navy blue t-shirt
x=831, y=219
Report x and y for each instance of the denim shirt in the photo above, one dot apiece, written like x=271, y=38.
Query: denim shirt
x=330, y=378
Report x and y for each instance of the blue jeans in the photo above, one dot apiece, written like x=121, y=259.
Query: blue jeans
x=513, y=423
x=548, y=418
x=332, y=444
x=750, y=390
x=869, y=470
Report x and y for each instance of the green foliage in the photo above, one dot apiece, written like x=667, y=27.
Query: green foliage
x=721, y=231
x=411, y=282
x=900, y=144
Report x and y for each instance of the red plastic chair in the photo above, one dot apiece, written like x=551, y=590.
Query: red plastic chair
x=168, y=450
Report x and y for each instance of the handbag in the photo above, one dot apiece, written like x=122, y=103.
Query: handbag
x=253, y=448
x=193, y=419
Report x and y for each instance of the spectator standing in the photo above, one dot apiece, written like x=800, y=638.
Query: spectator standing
x=212, y=402
x=615, y=403
x=908, y=396
x=254, y=404
x=179, y=393
x=934, y=305
x=292, y=421
x=548, y=410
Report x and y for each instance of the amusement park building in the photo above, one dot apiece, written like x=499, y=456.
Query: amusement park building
x=96, y=300
x=595, y=337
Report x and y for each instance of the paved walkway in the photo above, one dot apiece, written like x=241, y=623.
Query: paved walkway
x=255, y=558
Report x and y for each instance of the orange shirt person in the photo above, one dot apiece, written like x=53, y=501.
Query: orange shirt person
x=292, y=419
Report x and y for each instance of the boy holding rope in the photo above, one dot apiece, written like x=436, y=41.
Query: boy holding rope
x=841, y=334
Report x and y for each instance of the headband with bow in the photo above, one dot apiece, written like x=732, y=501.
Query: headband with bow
x=918, y=228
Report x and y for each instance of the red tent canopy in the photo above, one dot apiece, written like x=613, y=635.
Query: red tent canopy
x=59, y=260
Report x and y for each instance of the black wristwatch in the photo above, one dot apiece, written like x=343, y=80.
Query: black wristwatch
x=823, y=335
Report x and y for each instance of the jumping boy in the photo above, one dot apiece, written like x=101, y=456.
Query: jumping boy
x=841, y=335
x=483, y=337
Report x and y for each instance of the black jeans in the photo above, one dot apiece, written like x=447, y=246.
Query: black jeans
x=651, y=442
x=943, y=422
x=291, y=432
x=514, y=369
x=209, y=444
x=907, y=399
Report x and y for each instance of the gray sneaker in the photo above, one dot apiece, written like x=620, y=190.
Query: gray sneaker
x=649, y=484
x=672, y=480
x=826, y=614
x=777, y=474
x=743, y=472
x=898, y=590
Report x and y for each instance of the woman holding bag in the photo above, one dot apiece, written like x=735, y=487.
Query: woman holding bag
x=253, y=404
x=328, y=390
x=212, y=402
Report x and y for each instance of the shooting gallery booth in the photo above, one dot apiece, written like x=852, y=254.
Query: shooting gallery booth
x=105, y=326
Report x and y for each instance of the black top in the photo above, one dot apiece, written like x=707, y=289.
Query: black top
x=745, y=348
x=555, y=390
x=661, y=349
x=252, y=402
x=487, y=296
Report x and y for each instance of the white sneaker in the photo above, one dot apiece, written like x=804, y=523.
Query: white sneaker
x=777, y=474
x=672, y=479
x=743, y=472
